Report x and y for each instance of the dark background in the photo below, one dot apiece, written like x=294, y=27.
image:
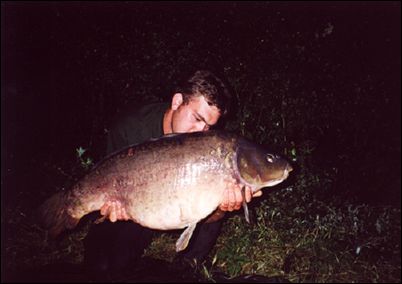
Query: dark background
x=320, y=78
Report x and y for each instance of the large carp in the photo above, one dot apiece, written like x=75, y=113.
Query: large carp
x=169, y=183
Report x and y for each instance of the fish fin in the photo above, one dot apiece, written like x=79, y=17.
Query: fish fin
x=245, y=207
x=246, y=213
x=54, y=216
x=184, y=238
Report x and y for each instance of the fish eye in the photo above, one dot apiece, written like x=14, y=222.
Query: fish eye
x=270, y=158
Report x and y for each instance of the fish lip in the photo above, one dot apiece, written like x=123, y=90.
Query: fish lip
x=274, y=182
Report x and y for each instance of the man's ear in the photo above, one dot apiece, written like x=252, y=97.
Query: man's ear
x=177, y=100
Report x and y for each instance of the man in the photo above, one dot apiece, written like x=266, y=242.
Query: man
x=197, y=105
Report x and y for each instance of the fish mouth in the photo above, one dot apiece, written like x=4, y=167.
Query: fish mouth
x=274, y=182
x=285, y=175
x=287, y=170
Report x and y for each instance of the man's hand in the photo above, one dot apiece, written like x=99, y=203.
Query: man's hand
x=114, y=210
x=233, y=197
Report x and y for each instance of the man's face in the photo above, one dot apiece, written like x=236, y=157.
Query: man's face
x=197, y=115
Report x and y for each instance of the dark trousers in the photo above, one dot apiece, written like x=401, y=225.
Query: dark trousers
x=112, y=247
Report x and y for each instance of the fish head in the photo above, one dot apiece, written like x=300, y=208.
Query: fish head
x=258, y=167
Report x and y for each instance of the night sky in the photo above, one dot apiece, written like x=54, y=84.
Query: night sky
x=69, y=68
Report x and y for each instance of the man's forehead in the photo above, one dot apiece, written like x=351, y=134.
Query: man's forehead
x=201, y=101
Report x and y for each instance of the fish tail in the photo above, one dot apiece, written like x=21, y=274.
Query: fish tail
x=54, y=215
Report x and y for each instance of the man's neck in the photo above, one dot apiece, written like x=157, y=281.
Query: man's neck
x=167, y=121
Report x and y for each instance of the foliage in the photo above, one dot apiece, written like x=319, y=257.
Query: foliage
x=87, y=162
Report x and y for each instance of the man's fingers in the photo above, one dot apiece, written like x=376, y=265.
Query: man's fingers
x=238, y=197
x=124, y=214
x=118, y=211
x=257, y=193
x=232, y=199
x=247, y=193
x=233, y=196
x=105, y=208
x=112, y=215
x=114, y=211
x=224, y=205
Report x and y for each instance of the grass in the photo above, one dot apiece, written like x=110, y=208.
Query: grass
x=313, y=242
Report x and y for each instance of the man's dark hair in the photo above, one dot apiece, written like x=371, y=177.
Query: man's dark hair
x=205, y=83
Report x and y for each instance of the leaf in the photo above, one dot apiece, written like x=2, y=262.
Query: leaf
x=80, y=151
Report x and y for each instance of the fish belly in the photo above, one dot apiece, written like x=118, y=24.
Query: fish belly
x=175, y=207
